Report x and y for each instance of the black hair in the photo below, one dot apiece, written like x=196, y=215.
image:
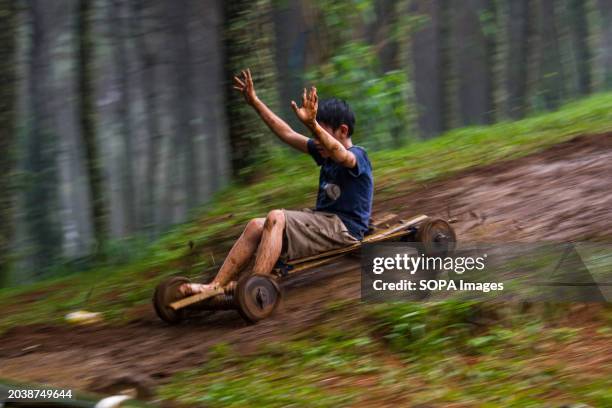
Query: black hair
x=335, y=112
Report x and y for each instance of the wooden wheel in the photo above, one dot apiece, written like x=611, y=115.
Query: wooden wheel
x=257, y=296
x=437, y=237
x=166, y=293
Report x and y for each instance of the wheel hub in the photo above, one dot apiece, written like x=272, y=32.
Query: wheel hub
x=257, y=296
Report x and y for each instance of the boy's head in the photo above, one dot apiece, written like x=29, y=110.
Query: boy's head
x=336, y=117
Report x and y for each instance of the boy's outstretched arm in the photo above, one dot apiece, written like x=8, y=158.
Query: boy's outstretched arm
x=276, y=124
x=308, y=115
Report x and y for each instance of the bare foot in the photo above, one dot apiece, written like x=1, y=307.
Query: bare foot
x=190, y=289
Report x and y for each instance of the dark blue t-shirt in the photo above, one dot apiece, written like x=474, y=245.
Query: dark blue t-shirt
x=346, y=192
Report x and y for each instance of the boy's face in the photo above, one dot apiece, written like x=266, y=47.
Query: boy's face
x=340, y=134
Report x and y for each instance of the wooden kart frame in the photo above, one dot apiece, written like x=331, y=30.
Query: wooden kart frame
x=256, y=297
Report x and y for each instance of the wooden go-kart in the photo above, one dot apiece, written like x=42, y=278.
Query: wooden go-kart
x=256, y=296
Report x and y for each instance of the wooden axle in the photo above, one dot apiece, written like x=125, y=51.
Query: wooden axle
x=206, y=294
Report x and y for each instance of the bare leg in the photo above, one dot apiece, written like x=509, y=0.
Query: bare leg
x=271, y=243
x=242, y=251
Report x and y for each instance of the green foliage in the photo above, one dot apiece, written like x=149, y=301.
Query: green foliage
x=378, y=100
x=342, y=363
x=228, y=380
x=341, y=19
x=422, y=327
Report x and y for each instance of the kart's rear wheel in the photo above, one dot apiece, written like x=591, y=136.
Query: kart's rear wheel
x=257, y=296
x=166, y=293
x=437, y=237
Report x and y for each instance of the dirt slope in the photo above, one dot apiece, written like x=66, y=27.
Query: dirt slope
x=560, y=194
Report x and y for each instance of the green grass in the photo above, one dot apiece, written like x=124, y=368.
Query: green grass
x=358, y=361
x=289, y=181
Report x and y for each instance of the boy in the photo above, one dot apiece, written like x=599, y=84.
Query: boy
x=344, y=200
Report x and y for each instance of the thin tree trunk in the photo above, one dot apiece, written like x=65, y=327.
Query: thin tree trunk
x=8, y=97
x=249, y=37
x=551, y=77
x=379, y=34
x=579, y=31
x=87, y=120
x=211, y=93
x=241, y=146
x=516, y=63
x=148, y=63
x=41, y=196
x=184, y=100
x=290, y=53
x=605, y=12
x=429, y=69
x=122, y=110
x=474, y=60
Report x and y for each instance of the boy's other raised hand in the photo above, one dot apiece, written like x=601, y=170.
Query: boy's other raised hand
x=307, y=113
x=245, y=86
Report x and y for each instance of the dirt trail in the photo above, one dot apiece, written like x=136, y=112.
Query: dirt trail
x=562, y=193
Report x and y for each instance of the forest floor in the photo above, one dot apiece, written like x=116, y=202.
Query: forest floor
x=533, y=180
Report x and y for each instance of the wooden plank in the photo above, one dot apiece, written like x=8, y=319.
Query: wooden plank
x=208, y=293
x=384, y=233
x=312, y=264
x=326, y=254
x=396, y=234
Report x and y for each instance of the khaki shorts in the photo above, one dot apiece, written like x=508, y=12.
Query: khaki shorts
x=309, y=232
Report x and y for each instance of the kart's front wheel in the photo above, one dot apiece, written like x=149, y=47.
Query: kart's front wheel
x=166, y=293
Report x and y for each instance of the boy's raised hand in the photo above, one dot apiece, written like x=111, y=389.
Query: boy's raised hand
x=245, y=86
x=307, y=113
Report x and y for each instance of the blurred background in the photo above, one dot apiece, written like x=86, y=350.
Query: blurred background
x=118, y=119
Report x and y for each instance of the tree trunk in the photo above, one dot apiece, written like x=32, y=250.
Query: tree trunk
x=605, y=12
x=290, y=54
x=429, y=69
x=8, y=97
x=148, y=61
x=551, y=77
x=87, y=120
x=211, y=91
x=184, y=99
x=241, y=144
x=474, y=46
x=380, y=34
x=517, y=58
x=579, y=31
x=118, y=35
x=248, y=43
x=41, y=196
